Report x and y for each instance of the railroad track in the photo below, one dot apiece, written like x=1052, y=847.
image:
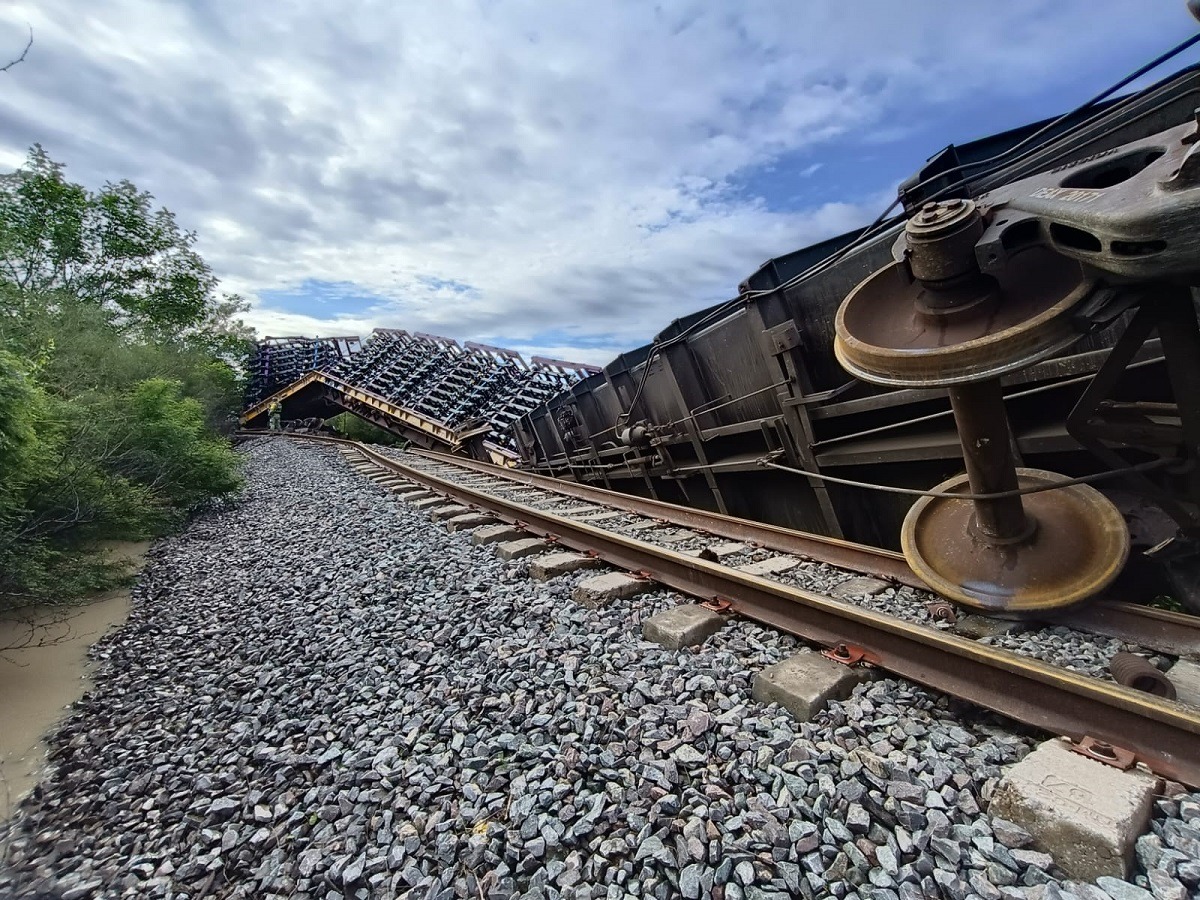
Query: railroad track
x=694, y=552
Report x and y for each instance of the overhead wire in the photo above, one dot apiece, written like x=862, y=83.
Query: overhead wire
x=1099, y=98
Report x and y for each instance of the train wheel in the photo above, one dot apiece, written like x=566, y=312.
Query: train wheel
x=935, y=320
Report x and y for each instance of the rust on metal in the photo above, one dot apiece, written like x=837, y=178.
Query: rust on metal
x=875, y=561
x=941, y=255
x=941, y=611
x=936, y=320
x=1136, y=672
x=1168, y=632
x=1157, y=629
x=1166, y=735
x=988, y=457
x=849, y=655
x=882, y=338
x=718, y=604
x=1079, y=548
x=1104, y=752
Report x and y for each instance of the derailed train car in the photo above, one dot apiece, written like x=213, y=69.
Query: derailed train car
x=1033, y=298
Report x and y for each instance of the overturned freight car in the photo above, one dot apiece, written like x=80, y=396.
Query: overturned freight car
x=1041, y=276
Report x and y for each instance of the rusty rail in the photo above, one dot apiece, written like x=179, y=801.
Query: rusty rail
x=1176, y=634
x=1165, y=736
x=834, y=551
x=1173, y=633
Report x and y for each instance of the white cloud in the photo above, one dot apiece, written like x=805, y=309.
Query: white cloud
x=569, y=161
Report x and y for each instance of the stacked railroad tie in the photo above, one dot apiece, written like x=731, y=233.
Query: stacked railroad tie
x=277, y=362
x=455, y=384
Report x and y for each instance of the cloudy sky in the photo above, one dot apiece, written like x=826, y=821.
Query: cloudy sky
x=559, y=177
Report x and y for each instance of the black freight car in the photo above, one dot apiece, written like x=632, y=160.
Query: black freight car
x=745, y=408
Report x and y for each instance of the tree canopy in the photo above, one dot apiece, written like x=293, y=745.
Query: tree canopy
x=119, y=369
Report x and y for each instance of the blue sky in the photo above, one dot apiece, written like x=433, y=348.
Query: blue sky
x=560, y=178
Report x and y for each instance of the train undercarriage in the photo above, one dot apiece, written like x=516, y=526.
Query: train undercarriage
x=1029, y=316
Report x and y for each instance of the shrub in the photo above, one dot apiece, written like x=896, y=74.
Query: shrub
x=117, y=376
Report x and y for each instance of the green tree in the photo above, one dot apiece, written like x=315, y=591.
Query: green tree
x=170, y=447
x=222, y=333
x=17, y=433
x=42, y=223
x=350, y=426
x=112, y=248
x=119, y=369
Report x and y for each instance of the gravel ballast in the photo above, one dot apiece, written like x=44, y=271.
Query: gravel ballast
x=321, y=694
x=1058, y=645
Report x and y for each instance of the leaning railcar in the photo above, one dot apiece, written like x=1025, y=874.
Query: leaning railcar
x=746, y=408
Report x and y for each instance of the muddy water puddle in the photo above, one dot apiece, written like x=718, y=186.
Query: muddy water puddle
x=45, y=673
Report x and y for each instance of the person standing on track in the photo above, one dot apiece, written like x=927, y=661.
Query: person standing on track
x=274, y=411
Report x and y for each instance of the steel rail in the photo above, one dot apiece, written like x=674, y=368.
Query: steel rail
x=1163, y=735
x=1168, y=632
x=844, y=554
x=1173, y=633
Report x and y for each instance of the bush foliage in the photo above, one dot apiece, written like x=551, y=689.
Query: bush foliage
x=118, y=375
x=350, y=426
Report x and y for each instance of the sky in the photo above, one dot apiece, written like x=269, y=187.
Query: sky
x=558, y=177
